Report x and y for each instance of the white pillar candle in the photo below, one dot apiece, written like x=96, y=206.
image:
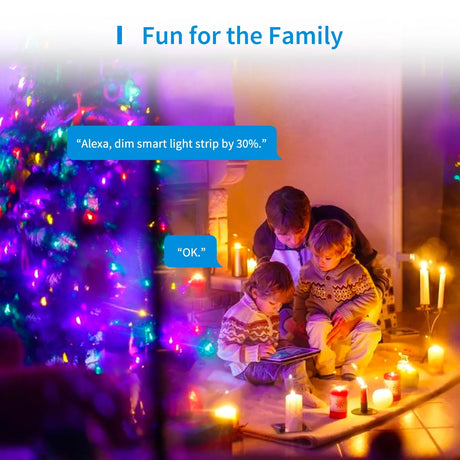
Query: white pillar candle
x=436, y=359
x=442, y=284
x=239, y=267
x=424, y=284
x=293, y=419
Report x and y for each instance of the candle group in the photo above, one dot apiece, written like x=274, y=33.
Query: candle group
x=425, y=285
x=293, y=412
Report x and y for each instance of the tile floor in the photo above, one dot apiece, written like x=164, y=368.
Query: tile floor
x=431, y=430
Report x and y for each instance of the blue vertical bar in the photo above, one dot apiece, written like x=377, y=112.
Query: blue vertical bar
x=119, y=35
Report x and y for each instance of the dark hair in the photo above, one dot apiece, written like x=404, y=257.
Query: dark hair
x=330, y=234
x=269, y=278
x=288, y=209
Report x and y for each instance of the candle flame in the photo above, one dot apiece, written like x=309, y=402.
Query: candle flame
x=436, y=348
x=227, y=412
x=197, y=277
x=237, y=246
x=424, y=265
x=442, y=270
x=361, y=382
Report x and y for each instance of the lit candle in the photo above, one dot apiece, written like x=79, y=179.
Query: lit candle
x=338, y=402
x=252, y=264
x=198, y=285
x=227, y=412
x=363, y=386
x=436, y=359
x=442, y=284
x=409, y=374
x=382, y=398
x=424, y=284
x=392, y=381
x=293, y=413
x=239, y=266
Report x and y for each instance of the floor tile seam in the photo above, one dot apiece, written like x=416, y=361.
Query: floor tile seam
x=429, y=434
x=339, y=450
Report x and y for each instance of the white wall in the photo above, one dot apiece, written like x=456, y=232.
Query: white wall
x=339, y=136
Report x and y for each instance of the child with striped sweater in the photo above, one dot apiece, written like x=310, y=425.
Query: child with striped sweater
x=249, y=332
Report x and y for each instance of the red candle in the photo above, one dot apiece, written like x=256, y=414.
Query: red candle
x=338, y=401
x=392, y=381
x=364, y=407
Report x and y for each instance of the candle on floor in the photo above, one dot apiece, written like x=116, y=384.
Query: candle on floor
x=436, y=359
x=227, y=412
x=363, y=393
x=442, y=284
x=382, y=398
x=293, y=412
x=409, y=374
x=197, y=285
x=239, y=266
x=338, y=402
x=392, y=381
x=252, y=264
x=424, y=283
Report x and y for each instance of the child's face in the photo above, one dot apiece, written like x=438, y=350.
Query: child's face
x=269, y=305
x=292, y=239
x=326, y=260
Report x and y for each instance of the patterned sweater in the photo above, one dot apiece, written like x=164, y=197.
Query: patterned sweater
x=348, y=289
x=243, y=328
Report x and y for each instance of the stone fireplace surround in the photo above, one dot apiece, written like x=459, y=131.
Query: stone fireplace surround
x=196, y=198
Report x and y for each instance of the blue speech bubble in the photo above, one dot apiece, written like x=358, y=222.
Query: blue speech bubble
x=191, y=251
x=172, y=143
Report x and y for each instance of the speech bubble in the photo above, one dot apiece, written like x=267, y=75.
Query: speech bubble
x=172, y=143
x=191, y=251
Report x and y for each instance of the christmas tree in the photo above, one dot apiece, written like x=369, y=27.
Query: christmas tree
x=75, y=236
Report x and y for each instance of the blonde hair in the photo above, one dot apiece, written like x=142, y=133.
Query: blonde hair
x=270, y=278
x=330, y=234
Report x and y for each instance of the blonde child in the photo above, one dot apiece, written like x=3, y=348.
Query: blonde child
x=334, y=288
x=249, y=332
